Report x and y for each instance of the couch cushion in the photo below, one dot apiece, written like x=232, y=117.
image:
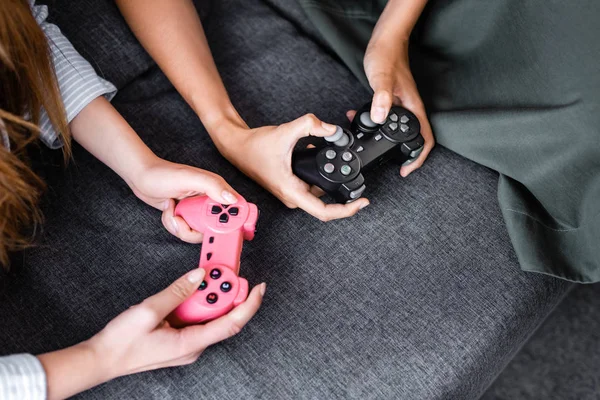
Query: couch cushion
x=418, y=296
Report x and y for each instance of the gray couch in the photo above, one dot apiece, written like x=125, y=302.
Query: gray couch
x=419, y=296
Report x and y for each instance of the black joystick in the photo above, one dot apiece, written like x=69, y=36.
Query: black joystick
x=339, y=138
x=337, y=164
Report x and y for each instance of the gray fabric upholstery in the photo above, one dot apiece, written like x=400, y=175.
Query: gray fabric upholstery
x=562, y=359
x=419, y=296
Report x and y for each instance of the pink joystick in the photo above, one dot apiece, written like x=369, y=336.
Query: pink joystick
x=224, y=227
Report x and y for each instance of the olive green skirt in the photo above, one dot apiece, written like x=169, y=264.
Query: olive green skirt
x=513, y=85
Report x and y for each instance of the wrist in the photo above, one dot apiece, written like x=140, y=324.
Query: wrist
x=215, y=113
x=83, y=366
x=103, y=368
x=135, y=172
x=398, y=20
x=226, y=131
x=221, y=120
x=106, y=361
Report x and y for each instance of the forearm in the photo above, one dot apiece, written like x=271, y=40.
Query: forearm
x=72, y=370
x=172, y=34
x=398, y=19
x=101, y=130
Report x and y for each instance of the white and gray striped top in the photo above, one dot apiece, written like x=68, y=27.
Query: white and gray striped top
x=22, y=376
x=78, y=82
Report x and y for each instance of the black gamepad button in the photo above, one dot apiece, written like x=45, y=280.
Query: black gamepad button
x=202, y=286
x=378, y=137
x=215, y=210
x=225, y=205
x=359, y=149
x=233, y=211
x=215, y=273
x=212, y=298
x=225, y=287
x=224, y=218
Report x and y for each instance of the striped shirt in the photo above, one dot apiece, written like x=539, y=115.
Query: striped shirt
x=22, y=376
x=78, y=82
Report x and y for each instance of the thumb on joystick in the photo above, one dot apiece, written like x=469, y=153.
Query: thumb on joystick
x=339, y=138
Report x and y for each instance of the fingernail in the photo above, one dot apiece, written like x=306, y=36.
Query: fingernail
x=166, y=205
x=378, y=114
x=328, y=127
x=363, y=205
x=196, y=275
x=174, y=223
x=263, y=288
x=228, y=196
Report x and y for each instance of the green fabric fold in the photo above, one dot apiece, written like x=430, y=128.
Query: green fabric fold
x=514, y=86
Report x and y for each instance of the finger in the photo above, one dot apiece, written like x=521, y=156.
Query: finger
x=177, y=225
x=327, y=212
x=185, y=233
x=161, y=304
x=202, y=336
x=383, y=86
x=308, y=125
x=167, y=218
x=427, y=133
x=350, y=115
x=212, y=185
x=316, y=191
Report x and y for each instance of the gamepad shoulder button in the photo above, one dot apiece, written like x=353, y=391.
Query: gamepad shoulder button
x=355, y=194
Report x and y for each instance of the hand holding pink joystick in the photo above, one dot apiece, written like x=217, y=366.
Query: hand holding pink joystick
x=224, y=227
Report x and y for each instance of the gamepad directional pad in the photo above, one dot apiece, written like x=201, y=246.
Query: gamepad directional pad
x=336, y=166
x=224, y=227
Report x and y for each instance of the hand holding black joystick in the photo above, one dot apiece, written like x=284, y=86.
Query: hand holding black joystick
x=336, y=166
